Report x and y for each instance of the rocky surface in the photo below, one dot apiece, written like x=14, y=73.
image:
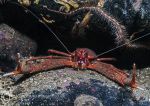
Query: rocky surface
x=13, y=42
x=67, y=87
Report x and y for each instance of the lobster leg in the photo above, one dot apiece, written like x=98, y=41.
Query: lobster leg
x=31, y=65
x=58, y=52
x=115, y=74
x=15, y=72
x=48, y=64
x=46, y=57
x=109, y=59
x=133, y=83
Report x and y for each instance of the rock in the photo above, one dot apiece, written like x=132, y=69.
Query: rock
x=13, y=42
x=65, y=87
x=87, y=100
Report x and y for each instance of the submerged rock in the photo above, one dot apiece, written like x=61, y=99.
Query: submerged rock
x=64, y=87
x=13, y=42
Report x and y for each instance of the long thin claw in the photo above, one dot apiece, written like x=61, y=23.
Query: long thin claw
x=46, y=57
x=8, y=74
x=58, y=52
x=140, y=88
x=15, y=72
x=133, y=83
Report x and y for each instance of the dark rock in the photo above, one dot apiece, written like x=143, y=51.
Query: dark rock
x=133, y=13
x=13, y=42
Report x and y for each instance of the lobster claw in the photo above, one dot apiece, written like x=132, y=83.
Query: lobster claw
x=15, y=72
x=18, y=69
x=133, y=84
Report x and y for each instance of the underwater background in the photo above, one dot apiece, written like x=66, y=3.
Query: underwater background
x=111, y=28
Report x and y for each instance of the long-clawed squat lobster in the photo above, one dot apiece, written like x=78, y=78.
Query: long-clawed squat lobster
x=82, y=58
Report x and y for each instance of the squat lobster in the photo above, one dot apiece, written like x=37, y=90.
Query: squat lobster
x=82, y=58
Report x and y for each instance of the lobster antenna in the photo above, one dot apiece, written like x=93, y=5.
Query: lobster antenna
x=122, y=45
x=27, y=10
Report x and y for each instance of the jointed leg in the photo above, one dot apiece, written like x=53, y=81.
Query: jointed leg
x=133, y=83
x=18, y=70
x=58, y=52
x=46, y=57
x=23, y=62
